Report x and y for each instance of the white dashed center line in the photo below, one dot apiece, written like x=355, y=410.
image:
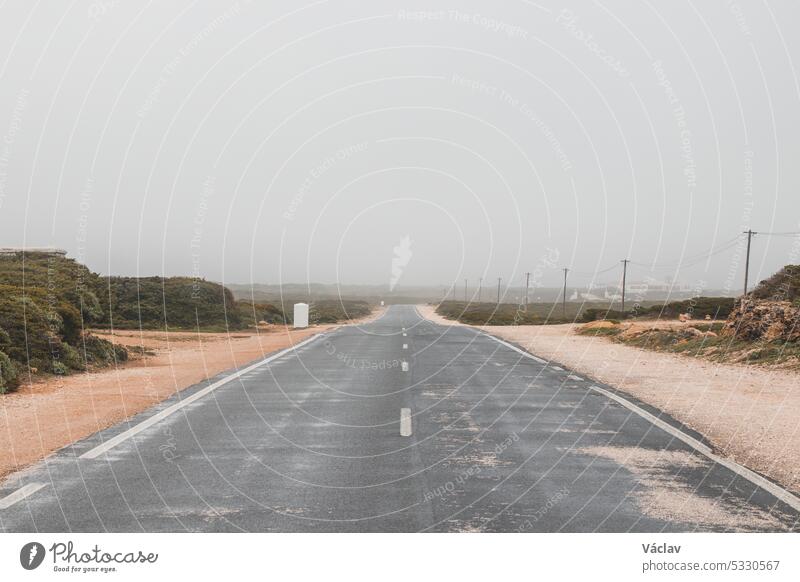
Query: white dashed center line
x=405, y=422
x=404, y=366
x=405, y=346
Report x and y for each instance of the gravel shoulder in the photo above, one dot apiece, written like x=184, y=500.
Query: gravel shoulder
x=45, y=415
x=750, y=415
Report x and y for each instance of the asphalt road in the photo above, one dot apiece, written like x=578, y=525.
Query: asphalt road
x=339, y=435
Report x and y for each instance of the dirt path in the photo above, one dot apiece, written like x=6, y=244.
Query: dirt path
x=749, y=414
x=46, y=415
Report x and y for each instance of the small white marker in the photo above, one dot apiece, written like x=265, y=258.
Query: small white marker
x=405, y=346
x=404, y=366
x=557, y=368
x=404, y=334
x=405, y=422
x=574, y=377
x=20, y=494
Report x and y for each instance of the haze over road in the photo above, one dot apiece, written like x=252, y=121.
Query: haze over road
x=395, y=425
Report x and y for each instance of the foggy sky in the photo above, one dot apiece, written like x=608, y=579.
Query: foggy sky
x=298, y=142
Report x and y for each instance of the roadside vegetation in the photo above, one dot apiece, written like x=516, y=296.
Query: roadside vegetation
x=48, y=304
x=319, y=312
x=760, y=329
x=535, y=313
x=702, y=340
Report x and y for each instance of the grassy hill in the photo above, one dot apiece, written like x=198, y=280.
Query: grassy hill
x=47, y=302
x=782, y=286
x=171, y=302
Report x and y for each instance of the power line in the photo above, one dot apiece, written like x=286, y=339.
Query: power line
x=592, y=273
x=693, y=258
x=779, y=233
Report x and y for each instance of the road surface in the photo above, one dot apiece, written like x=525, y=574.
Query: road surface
x=395, y=425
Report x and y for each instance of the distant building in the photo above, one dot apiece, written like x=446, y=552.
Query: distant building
x=8, y=251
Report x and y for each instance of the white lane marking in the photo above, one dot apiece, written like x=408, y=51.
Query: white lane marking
x=751, y=476
x=557, y=368
x=515, y=348
x=20, y=494
x=405, y=422
x=405, y=366
x=403, y=329
x=574, y=377
x=134, y=430
x=756, y=479
x=405, y=334
x=405, y=346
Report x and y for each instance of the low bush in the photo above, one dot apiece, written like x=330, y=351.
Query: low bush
x=8, y=374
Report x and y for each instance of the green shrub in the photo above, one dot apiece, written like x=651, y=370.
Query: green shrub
x=782, y=286
x=99, y=352
x=251, y=314
x=5, y=339
x=697, y=307
x=8, y=374
x=29, y=329
x=59, y=368
x=72, y=357
x=173, y=302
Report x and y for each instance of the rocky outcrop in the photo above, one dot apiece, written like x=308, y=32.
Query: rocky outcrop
x=754, y=319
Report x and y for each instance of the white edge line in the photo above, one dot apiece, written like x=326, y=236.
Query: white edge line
x=405, y=422
x=147, y=423
x=574, y=377
x=20, y=494
x=776, y=490
x=515, y=348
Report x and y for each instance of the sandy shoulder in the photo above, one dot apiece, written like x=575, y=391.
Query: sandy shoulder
x=46, y=415
x=749, y=414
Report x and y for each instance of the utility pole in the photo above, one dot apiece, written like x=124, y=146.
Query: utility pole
x=624, y=274
x=749, y=234
x=527, y=283
x=465, y=290
x=564, y=299
x=498, y=289
x=480, y=288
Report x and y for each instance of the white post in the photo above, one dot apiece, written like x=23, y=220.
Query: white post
x=301, y=315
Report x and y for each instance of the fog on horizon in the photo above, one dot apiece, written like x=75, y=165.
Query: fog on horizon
x=370, y=143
